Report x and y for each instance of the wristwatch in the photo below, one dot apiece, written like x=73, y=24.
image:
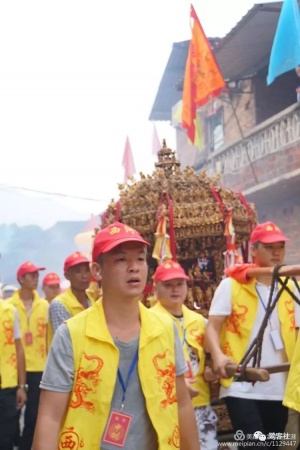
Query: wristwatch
x=23, y=386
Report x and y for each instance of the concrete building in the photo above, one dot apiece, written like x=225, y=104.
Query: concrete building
x=252, y=133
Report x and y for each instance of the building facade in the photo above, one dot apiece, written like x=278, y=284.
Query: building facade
x=251, y=133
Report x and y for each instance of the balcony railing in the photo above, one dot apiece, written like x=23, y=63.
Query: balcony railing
x=271, y=136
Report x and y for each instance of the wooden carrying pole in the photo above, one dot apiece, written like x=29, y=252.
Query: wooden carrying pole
x=284, y=271
x=255, y=373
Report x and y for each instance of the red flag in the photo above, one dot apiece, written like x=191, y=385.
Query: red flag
x=127, y=162
x=156, y=145
x=202, y=79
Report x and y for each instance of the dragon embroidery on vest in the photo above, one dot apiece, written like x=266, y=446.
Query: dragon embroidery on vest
x=8, y=332
x=195, y=332
x=237, y=317
x=12, y=361
x=41, y=327
x=86, y=382
x=166, y=377
x=227, y=349
x=42, y=351
x=289, y=305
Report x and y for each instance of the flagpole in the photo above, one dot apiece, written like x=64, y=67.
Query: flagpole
x=243, y=138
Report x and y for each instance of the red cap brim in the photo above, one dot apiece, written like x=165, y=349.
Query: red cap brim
x=270, y=239
x=172, y=276
x=51, y=283
x=32, y=269
x=35, y=269
x=77, y=262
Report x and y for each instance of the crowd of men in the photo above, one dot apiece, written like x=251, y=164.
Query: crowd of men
x=100, y=370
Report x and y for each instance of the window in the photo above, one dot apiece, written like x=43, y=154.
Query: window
x=214, y=138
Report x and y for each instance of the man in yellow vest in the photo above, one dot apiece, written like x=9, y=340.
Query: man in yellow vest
x=171, y=291
x=236, y=313
x=74, y=299
x=51, y=286
x=33, y=315
x=12, y=374
x=114, y=377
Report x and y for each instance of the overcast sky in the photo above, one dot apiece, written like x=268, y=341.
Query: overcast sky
x=77, y=77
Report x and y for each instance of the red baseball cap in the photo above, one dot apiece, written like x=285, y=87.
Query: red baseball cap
x=75, y=259
x=27, y=267
x=51, y=279
x=169, y=270
x=267, y=233
x=113, y=235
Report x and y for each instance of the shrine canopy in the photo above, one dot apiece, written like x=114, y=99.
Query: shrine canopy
x=194, y=219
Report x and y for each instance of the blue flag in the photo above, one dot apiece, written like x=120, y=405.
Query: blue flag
x=285, y=53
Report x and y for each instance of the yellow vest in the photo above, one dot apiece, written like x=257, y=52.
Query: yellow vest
x=72, y=305
x=193, y=333
x=94, y=291
x=8, y=356
x=236, y=331
x=96, y=363
x=292, y=391
x=36, y=353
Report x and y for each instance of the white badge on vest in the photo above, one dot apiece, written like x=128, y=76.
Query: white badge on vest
x=277, y=339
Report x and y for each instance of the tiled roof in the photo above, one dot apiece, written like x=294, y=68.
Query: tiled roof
x=169, y=91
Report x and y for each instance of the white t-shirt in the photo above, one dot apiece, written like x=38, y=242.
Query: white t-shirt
x=275, y=387
x=17, y=330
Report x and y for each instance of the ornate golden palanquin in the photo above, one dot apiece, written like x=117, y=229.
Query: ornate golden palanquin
x=203, y=220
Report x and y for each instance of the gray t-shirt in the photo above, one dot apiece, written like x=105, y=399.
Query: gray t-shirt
x=59, y=376
x=59, y=314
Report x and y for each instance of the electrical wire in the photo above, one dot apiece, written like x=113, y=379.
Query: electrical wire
x=54, y=194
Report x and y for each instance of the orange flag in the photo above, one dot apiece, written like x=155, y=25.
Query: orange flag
x=128, y=162
x=202, y=79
